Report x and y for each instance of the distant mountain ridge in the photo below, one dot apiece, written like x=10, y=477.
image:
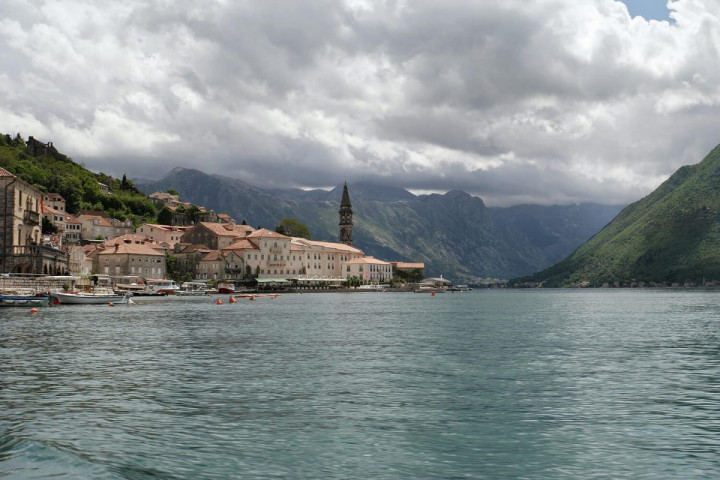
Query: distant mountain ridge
x=670, y=236
x=455, y=234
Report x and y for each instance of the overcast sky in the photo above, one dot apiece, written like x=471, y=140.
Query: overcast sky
x=543, y=101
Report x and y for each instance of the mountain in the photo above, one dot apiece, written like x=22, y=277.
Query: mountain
x=672, y=235
x=455, y=234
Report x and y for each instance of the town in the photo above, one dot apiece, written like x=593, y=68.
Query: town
x=205, y=247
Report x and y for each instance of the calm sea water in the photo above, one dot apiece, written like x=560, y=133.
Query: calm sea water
x=485, y=384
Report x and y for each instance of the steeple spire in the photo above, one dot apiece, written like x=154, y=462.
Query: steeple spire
x=346, y=222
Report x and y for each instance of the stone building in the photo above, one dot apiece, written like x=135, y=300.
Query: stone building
x=165, y=235
x=96, y=225
x=215, y=236
x=130, y=256
x=21, y=248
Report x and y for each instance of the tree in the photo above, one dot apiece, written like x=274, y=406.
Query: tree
x=293, y=228
x=172, y=191
x=48, y=228
x=165, y=217
x=193, y=212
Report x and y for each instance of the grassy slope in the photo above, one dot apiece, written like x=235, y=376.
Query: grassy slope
x=673, y=234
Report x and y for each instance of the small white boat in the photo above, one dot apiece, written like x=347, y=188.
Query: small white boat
x=192, y=289
x=81, y=298
x=24, y=300
x=159, y=287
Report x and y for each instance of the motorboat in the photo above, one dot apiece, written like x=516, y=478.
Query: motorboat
x=158, y=287
x=192, y=289
x=226, y=287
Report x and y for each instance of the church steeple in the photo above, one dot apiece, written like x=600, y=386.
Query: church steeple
x=346, y=224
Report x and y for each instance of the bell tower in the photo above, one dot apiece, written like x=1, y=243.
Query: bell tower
x=346, y=223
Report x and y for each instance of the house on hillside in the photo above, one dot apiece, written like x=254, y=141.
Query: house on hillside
x=68, y=227
x=96, y=225
x=165, y=235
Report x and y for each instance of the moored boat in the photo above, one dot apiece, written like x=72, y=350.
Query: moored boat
x=226, y=287
x=89, y=298
x=24, y=300
x=158, y=287
x=192, y=289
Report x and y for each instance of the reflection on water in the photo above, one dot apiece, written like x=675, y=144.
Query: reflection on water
x=487, y=384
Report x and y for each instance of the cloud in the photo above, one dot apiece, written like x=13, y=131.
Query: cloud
x=546, y=101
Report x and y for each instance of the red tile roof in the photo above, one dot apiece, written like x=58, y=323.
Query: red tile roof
x=265, y=233
x=243, y=244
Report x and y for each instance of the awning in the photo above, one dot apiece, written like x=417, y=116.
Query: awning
x=272, y=280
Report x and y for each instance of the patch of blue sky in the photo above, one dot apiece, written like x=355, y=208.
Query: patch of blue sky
x=649, y=9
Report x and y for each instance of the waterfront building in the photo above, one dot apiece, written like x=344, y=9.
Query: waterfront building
x=21, y=247
x=325, y=259
x=210, y=266
x=243, y=260
x=130, y=256
x=78, y=262
x=276, y=257
x=369, y=270
x=187, y=257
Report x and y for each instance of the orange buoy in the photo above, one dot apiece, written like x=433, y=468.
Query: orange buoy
x=433, y=293
x=219, y=302
x=232, y=300
x=111, y=304
x=33, y=310
x=252, y=298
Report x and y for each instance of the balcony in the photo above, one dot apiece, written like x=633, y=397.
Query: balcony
x=32, y=218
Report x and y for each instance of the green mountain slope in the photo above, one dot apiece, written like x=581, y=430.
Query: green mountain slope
x=455, y=234
x=672, y=235
x=51, y=171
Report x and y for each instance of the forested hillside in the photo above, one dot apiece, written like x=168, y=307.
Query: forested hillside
x=44, y=167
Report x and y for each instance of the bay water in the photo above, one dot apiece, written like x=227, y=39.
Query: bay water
x=488, y=384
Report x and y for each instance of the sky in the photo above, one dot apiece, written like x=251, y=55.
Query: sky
x=549, y=101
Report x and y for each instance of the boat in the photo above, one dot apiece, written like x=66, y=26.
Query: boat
x=158, y=287
x=226, y=287
x=192, y=289
x=87, y=298
x=7, y=300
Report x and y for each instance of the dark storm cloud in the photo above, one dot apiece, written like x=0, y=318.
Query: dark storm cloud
x=548, y=101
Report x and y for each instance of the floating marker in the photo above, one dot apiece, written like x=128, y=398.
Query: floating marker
x=111, y=304
x=232, y=300
x=33, y=310
x=219, y=302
